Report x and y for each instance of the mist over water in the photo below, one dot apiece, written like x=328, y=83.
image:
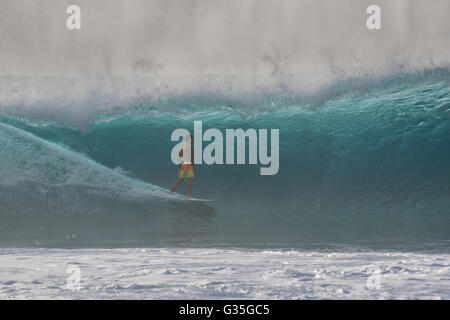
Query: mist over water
x=86, y=118
x=225, y=37
x=171, y=53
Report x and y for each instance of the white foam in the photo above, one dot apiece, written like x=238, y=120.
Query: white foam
x=222, y=273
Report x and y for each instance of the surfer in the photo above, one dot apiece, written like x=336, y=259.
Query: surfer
x=186, y=168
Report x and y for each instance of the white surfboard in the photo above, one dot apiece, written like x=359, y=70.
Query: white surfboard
x=201, y=200
x=184, y=198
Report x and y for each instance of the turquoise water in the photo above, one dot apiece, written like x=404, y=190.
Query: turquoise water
x=361, y=162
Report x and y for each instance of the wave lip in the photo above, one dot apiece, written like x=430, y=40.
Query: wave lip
x=77, y=102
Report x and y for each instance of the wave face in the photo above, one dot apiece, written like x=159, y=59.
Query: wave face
x=365, y=163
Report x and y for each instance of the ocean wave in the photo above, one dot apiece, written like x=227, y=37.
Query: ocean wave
x=362, y=159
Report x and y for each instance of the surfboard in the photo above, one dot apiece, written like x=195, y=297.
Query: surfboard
x=201, y=200
x=184, y=198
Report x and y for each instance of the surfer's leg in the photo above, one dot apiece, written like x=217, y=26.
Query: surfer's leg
x=176, y=184
x=189, y=187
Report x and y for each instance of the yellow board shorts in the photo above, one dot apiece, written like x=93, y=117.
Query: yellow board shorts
x=186, y=171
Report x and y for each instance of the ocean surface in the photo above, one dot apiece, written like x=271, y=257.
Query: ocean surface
x=364, y=181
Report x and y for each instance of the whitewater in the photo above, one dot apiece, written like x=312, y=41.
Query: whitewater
x=175, y=273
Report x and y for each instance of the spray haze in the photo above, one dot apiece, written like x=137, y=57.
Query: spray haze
x=195, y=37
